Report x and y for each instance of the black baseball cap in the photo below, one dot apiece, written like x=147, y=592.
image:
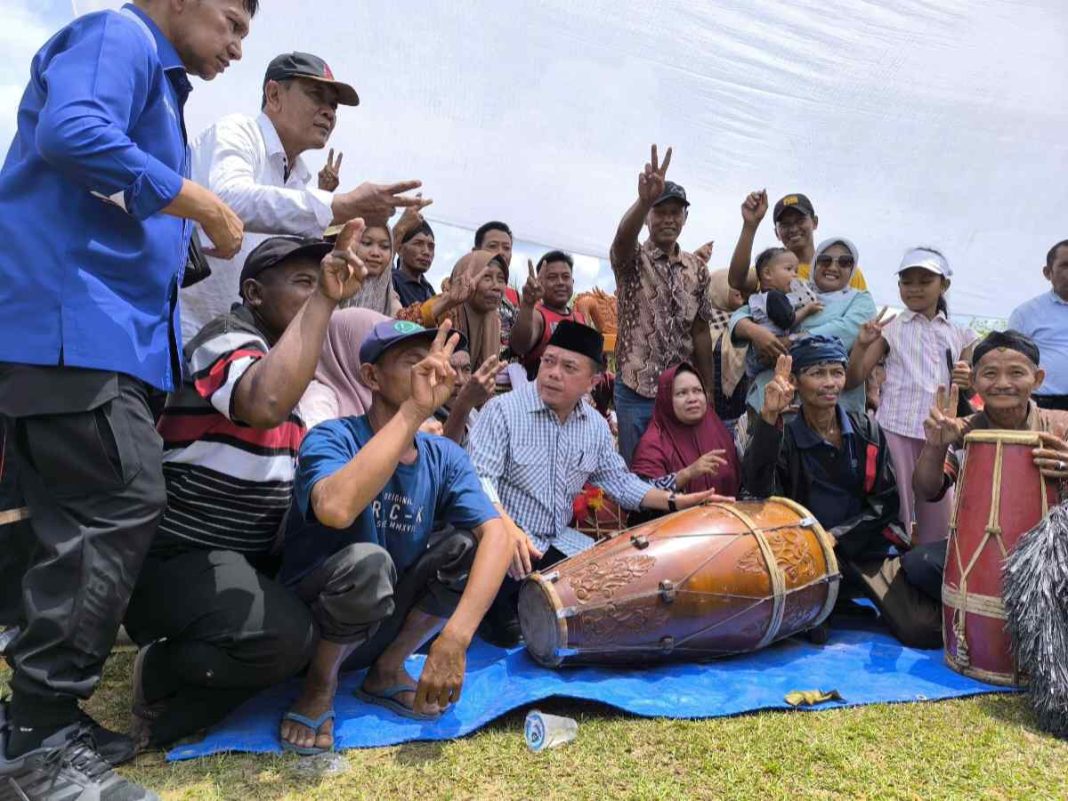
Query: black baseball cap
x=672, y=191
x=305, y=65
x=794, y=201
x=278, y=249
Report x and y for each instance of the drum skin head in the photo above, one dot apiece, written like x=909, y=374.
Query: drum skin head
x=539, y=621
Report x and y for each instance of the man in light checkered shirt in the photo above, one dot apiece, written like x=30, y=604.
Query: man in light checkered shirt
x=536, y=447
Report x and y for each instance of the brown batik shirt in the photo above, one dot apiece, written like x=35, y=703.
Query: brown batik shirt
x=659, y=296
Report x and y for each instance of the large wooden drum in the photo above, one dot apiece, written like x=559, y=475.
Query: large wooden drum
x=707, y=582
x=1000, y=497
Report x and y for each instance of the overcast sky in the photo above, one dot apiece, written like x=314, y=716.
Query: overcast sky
x=910, y=122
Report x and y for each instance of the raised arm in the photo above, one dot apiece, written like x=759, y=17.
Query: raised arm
x=754, y=208
x=529, y=324
x=651, y=182
x=270, y=389
x=338, y=499
x=870, y=346
x=760, y=464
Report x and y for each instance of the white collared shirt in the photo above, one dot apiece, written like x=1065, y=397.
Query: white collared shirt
x=241, y=159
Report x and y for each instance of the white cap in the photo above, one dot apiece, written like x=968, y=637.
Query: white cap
x=926, y=259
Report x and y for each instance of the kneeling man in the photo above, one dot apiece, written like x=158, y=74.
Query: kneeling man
x=837, y=465
x=1005, y=375
x=369, y=492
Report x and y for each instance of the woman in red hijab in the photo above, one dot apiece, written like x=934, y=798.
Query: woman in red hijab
x=685, y=441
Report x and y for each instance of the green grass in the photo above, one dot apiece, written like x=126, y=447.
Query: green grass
x=978, y=748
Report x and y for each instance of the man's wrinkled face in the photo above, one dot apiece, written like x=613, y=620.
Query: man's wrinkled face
x=207, y=35
x=821, y=385
x=304, y=112
x=1057, y=273
x=665, y=221
x=391, y=376
x=557, y=283
x=1005, y=379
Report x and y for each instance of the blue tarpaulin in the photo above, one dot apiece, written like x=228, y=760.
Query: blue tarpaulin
x=866, y=667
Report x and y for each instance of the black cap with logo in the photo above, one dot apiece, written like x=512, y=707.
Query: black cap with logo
x=672, y=191
x=305, y=65
x=794, y=201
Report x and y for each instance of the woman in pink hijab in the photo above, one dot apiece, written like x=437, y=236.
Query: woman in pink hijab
x=686, y=446
x=336, y=390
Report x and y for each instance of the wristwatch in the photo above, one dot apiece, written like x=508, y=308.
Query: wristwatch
x=672, y=506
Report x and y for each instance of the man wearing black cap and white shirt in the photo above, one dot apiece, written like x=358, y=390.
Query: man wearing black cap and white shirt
x=254, y=164
x=795, y=225
x=662, y=297
x=534, y=449
x=213, y=626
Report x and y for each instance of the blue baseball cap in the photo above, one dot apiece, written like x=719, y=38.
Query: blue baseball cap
x=388, y=333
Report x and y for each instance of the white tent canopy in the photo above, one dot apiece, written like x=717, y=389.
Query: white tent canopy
x=907, y=122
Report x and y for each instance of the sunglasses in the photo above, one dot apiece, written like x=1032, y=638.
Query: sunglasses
x=845, y=262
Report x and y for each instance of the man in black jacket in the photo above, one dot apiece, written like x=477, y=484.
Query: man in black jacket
x=837, y=465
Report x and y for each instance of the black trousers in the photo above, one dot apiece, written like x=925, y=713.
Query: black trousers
x=222, y=630
x=912, y=616
x=16, y=536
x=89, y=464
x=924, y=567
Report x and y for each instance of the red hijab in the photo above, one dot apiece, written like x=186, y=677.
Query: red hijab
x=668, y=445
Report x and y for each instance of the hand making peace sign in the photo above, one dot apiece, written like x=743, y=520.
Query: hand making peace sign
x=942, y=426
x=342, y=272
x=872, y=330
x=780, y=390
x=330, y=175
x=532, y=291
x=433, y=377
x=651, y=180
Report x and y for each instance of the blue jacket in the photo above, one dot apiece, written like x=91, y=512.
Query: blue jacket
x=89, y=268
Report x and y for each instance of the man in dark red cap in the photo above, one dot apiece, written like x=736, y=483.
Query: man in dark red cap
x=255, y=164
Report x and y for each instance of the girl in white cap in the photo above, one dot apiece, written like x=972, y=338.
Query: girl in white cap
x=923, y=349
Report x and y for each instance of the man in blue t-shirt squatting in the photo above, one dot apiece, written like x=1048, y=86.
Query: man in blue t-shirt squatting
x=359, y=550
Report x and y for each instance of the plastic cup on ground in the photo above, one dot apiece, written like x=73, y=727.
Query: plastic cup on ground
x=548, y=731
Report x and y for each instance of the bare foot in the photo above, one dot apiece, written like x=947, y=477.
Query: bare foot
x=379, y=679
x=314, y=700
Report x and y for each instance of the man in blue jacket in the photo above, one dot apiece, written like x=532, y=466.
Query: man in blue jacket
x=95, y=215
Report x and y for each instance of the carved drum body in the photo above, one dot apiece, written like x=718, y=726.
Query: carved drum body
x=1000, y=497
x=707, y=582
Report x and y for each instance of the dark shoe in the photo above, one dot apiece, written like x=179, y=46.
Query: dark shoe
x=818, y=635
x=116, y=748
x=66, y=767
x=499, y=629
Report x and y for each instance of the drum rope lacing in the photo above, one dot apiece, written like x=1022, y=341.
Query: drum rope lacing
x=961, y=600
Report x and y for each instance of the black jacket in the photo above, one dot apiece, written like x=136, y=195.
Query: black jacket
x=773, y=466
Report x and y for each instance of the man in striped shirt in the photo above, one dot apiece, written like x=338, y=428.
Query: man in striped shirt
x=214, y=626
x=536, y=447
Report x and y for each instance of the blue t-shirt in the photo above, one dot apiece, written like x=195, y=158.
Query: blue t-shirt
x=439, y=487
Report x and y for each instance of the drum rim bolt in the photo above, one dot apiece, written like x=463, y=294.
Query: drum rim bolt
x=640, y=541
